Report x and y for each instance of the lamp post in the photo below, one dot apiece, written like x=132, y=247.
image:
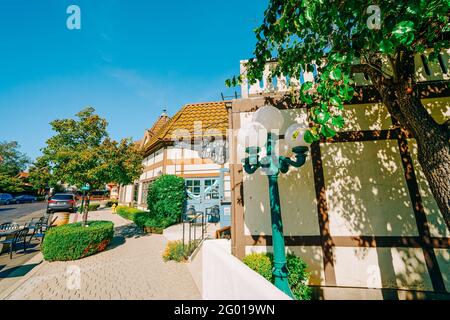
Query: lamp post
x=272, y=164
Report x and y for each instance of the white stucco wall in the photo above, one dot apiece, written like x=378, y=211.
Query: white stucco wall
x=224, y=277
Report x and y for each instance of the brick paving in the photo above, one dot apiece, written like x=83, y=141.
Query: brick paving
x=131, y=268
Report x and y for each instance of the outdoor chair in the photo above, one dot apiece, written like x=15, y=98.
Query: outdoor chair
x=40, y=228
x=213, y=214
x=31, y=225
x=19, y=235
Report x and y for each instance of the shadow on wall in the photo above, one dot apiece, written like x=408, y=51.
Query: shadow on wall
x=367, y=195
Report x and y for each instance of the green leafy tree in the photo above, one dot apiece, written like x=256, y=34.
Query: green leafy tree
x=12, y=162
x=335, y=34
x=81, y=153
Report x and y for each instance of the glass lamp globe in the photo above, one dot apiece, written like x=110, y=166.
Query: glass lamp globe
x=270, y=117
x=295, y=136
x=282, y=148
x=252, y=134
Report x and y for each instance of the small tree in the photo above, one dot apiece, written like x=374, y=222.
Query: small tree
x=335, y=34
x=81, y=153
x=166, y=199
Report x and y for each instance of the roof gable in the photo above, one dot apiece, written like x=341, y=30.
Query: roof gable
x=213, y=117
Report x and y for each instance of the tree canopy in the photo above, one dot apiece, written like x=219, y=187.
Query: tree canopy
x=81, y=152
x=333, y=39
x=336, y=34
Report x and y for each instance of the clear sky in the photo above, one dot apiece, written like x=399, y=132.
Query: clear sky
x=130, y=59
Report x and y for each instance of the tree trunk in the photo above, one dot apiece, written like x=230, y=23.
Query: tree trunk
x=402, y=99
x=433, y=149
x=86, y=209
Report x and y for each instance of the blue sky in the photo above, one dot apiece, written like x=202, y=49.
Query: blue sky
x=130, y=59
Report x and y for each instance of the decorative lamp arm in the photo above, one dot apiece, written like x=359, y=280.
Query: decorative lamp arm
x=252, y=163
x=300, y=156
x=300, y=159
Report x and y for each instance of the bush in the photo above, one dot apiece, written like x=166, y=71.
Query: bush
x=260, y=263
x=139, y=217
x=92, y=207
x=177, y=252
x=110, y=203
x=166, y=199
x=73, y=241
x=298, y=277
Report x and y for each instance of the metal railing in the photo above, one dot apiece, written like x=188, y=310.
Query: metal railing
x=191, y=223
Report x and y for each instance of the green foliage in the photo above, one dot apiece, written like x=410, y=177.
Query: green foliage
x=335, y=34
x=298, y=277
x=10, y=184
x=261, y=263
x=12, y=162
x=81, y=152
x=92, y=207
x=40, y=175
x=139, y=217
x=73, y=241
x=166, y=199
x=177, y=252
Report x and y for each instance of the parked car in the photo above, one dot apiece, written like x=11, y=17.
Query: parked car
x=62, y=202
x=24, y=199
x=6, y=198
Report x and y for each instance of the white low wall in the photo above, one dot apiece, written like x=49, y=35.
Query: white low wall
x=224, y=277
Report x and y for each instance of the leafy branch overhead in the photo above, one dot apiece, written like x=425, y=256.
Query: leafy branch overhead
x=328, y=37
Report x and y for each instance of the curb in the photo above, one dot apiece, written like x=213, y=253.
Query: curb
x=38, y=259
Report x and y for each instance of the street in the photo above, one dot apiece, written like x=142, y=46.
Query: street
x=21, y=213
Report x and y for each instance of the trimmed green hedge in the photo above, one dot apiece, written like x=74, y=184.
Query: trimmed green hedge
x=73, y=241
x=139, y=217
x=298, y=277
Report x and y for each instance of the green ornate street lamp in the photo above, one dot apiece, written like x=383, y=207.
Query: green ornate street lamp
x=269, y=119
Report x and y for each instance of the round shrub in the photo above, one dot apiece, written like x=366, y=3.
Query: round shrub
x=298, y=277
x=260, y=263
x=73, y=241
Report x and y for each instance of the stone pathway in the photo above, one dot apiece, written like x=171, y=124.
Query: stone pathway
x=131, y=268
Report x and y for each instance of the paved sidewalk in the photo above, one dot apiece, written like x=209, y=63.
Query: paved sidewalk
x=131, y=268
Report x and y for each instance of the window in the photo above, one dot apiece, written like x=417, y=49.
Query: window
x=193, y=188
x=212, y=189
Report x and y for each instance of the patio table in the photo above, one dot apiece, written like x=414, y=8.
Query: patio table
x=5, y=233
